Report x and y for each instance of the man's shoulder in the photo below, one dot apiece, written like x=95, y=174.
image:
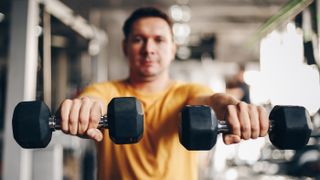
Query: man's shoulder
x=181, y=84
x=189, y=91
x=191, y=88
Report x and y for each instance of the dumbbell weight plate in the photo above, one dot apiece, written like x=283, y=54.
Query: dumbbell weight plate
x=30, y=124
x=124, y=123
x=198, y=131
x=291, y=127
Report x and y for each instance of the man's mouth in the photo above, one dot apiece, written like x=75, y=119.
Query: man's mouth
x=148, y=61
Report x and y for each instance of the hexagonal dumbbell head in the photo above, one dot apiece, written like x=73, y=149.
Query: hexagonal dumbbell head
x=198, y=129
x=125, y=116
x=290, y=127
x=30, y=124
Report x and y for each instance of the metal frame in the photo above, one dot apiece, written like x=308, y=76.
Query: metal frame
x=21, y=83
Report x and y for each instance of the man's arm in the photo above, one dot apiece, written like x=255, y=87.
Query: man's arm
x=247, y=121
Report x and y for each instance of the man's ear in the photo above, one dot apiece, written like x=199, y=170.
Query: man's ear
x=124, y=47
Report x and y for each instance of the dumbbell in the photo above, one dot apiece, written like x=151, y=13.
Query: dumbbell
x=290, y=127
x=33, y=124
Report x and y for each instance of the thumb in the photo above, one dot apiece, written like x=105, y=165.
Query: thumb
x=95, y=134
x=231, y=139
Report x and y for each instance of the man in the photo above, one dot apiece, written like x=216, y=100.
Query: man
x=149, y=46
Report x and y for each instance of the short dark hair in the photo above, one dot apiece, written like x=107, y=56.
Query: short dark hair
x=143, y=13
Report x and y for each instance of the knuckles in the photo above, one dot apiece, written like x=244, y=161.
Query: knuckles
x=76, y=115
x=256, y=116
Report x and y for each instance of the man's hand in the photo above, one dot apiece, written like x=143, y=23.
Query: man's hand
x=247, y=121
x=81, y=117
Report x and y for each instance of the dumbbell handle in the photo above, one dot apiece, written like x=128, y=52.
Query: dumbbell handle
x=55, y=123
x=223, y=127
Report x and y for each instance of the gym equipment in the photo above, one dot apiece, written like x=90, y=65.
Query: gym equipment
x=33, y=124
x=290, y=127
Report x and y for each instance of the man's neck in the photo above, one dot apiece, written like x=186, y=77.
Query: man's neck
x=150, y=85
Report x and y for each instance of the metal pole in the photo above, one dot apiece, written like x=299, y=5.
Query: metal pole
x=47, y=58
x=21, y=83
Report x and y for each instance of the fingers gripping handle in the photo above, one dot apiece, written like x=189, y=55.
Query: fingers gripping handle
x=55, y=123
x=224, y=127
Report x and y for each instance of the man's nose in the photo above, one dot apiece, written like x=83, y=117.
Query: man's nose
x=149, y=47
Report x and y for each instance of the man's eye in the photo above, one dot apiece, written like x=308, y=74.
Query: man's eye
x=159, y=40
x=137, y=39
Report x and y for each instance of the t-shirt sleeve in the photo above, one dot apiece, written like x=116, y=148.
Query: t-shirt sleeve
x=197, y=90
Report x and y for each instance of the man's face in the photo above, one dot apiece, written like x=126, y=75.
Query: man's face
x=149, y=47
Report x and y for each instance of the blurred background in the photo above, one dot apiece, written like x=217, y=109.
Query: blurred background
x=261, y=51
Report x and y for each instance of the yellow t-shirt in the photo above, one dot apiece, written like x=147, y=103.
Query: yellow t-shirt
x=159, y=154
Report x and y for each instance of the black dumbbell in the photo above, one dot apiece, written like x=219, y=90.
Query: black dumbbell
x=33, y=124
x=290, y=127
